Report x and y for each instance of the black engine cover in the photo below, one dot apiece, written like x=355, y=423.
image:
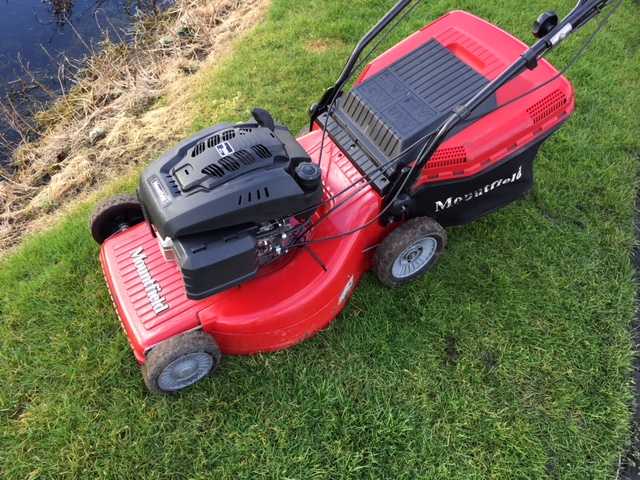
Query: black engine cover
x=210, y=264
x=214, y=193
x=225, y=176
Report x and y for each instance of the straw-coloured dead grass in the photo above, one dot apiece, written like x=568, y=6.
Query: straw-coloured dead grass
x=131, y=102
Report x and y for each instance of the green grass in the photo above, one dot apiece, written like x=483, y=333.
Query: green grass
x=510, y=360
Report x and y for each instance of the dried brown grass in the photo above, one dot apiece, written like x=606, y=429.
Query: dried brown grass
x=131, y=102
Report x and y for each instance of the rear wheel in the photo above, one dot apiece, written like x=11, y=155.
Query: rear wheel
x=114, y=214
x=410, y=251
x=180, y=362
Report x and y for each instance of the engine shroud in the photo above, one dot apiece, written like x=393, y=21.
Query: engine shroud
x=210, y=197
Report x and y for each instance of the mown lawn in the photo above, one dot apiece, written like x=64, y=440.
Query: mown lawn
x=511, y=359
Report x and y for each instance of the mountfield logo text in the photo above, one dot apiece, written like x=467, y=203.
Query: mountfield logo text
x=151, y=287
x=453, y=201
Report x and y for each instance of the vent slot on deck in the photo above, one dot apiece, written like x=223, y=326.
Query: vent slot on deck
x=545, y=107
x=447, y=157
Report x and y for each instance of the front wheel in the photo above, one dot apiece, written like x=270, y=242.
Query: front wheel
x=410, y=251
x=114, y=214
x=180, y=362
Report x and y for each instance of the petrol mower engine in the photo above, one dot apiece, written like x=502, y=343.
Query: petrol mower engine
x=224, y=202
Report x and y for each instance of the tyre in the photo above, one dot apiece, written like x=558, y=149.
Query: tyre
x=114, y=214
x=180, y=362
x=409, y=251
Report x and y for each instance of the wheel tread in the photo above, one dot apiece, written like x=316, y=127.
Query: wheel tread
x=399, y=240
x=163, y=355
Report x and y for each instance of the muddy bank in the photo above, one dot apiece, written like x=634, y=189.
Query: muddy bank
x=132, y=102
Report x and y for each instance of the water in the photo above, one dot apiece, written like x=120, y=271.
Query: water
x=41, y=40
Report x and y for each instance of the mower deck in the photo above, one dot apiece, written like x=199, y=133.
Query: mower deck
x=260, y=315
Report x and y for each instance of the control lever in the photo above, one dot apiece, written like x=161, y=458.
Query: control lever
x=545, y=23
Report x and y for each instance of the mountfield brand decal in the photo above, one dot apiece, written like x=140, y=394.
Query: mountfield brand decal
x=453, y=201
x=162, y=195
x=149, y=283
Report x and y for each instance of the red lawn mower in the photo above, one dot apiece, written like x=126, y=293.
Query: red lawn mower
x=244, y=239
